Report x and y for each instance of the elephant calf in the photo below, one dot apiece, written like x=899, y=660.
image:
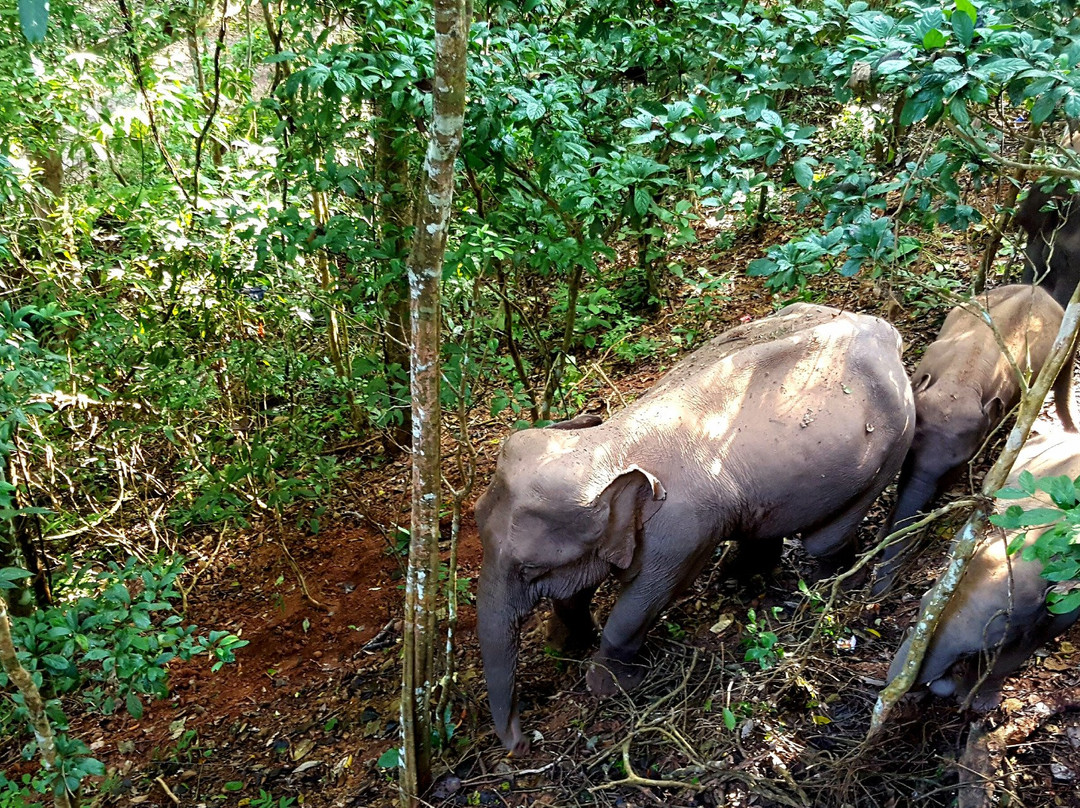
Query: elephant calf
x=964, y=386
x=980, y=634
x=795, y=422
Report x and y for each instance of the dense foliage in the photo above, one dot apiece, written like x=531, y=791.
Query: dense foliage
x=207, y=210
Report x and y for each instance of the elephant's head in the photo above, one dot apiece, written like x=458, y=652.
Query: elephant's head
x=556, y=518
x=953, y=421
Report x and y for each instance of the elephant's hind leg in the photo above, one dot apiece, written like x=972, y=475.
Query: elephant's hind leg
x=833, y=544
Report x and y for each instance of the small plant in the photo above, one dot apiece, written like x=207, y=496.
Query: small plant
x=761, y=645
x=108, y=640
x=1056, y=547
x=676, y=631
x=266, y=800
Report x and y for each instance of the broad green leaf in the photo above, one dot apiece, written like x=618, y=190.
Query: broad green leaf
x=642, y=201
x=963, y=28
x=1063, y=604
x=34, y=19
x=761, y=266
x=1043, y=107
x=1016, y=543
x=804, y=172
x=390, y=759
x=729, y=719
x=1039, y=516
x=283, y=56
x=933, y=39
x=890, y=66
x=967, y=8
x=134, y=706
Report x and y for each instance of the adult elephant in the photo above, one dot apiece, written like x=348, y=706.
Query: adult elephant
x=795, y=422
x=1051, y=219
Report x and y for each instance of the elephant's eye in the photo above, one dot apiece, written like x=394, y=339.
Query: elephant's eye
x=531, y=572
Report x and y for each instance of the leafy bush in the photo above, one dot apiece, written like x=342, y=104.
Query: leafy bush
x=1057, y=548
x=108, y=641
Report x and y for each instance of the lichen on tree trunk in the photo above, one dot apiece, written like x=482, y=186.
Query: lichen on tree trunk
x=425, y=272
x=35, y=705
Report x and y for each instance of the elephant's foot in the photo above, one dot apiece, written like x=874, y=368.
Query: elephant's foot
x=606, y=677
x=570, y=638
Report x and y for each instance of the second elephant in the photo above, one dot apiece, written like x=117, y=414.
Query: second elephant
x=964, y=386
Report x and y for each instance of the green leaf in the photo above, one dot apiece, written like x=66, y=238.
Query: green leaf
x=890, y=66
x=804, y=172
x=1043, y=107
x=233, y=785
x=729, y=719
x=1016, y=543
x=134, y=706
x=390, y=759
x=118, y=592
x=1012, y=493
x=34, y=19
x=642, y=201
x=761, y=266
x=1063, y=604
x=1039, y=516
x=933, y=39
x=963, y=28
x=56, y=662
x=967, y=8
x=283, y=56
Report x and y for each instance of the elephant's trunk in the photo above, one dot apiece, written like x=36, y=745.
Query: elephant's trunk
x=912, y=496
x=499, y=612
x=916, y=490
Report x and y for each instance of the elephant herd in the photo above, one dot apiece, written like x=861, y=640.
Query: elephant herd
x=793, y=423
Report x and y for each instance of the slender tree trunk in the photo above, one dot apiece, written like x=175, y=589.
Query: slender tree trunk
x=35, y=705
x=972, y=532
x=396, y=211
x=336, y=335
x=425, y=272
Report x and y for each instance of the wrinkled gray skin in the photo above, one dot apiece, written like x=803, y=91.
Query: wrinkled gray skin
x=978, y=632
x=792, y=423
x=964, y=386
x=1051, y=219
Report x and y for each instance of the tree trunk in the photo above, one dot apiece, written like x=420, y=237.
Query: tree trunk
x=425, y=271
x=396, y=212
x=1006, y=214
x=35, y=705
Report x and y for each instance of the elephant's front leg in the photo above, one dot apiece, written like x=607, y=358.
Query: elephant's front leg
x=616, y=664
x=571, y=627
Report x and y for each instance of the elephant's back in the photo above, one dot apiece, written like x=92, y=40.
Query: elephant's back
x=795, y=347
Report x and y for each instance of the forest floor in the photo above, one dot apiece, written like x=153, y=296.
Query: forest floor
x=311, y=704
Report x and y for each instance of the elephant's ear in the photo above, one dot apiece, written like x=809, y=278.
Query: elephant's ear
x=923, y=383
x=994, y=409
x=584, y=421
x=631, y=500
